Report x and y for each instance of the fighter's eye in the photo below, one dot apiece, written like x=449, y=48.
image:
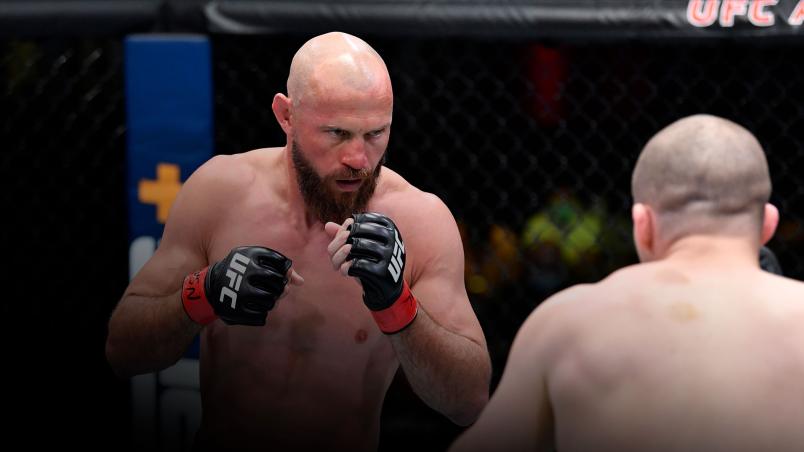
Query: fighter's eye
x=376, y=133
x=339, y=133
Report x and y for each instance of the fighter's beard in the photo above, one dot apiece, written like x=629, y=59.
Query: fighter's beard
x=321, y=200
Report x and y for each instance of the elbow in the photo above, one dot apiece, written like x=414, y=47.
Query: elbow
x=472, y=401
x=121, y=355
x=113, y=357
x=115, y=349
x=126, y=359
x=468, y=412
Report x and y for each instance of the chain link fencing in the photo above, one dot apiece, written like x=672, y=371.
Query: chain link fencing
x=64, y=237
x=530, y=144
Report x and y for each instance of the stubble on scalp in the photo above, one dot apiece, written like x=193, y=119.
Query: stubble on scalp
x=703, y=174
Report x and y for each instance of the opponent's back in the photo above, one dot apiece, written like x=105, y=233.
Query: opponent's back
x=695, y=349
x=665, y=356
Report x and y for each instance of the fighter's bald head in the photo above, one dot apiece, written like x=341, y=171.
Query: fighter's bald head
x=703, y=174
x=335, y=64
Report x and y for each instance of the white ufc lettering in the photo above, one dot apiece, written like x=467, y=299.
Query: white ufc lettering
x=797, y=16
x=703, y=13
x=759, y=16
x=237, y=267
x=395, y=267
x=731, y=9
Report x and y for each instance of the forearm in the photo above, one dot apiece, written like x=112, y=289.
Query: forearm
x=148, y=334
x=450, y=372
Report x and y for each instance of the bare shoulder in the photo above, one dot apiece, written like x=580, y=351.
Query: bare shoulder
x=426, y=225
x=401, y=199
x=785, y=293
x=226, y=172
x=554, y=324
x=784, y=283
x=212, y=189
x=424, y=220
x=563, y=308
x=580, y=309
x=226, y=177
x=625, y=277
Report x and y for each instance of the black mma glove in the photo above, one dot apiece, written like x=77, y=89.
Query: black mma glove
x=378, y=261
x=240, y=289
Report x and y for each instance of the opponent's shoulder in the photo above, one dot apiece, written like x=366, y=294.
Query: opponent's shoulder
x=786, y=293
x=558, y=319
x=566, y=303
x=624, y=278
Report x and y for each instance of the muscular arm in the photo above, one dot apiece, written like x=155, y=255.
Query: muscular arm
x=519, y=414
x=450, y=371
x=149, y=329
x=443, y=351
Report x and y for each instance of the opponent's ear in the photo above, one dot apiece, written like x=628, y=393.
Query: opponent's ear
x=644, y=231
x=281, y=109
x=769, y=222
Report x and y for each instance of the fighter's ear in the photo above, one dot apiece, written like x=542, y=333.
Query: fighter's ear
x=644, y=230
x=769, y=222
x=281, y=109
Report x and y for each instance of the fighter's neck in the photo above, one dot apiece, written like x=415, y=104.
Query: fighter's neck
x=714, y=252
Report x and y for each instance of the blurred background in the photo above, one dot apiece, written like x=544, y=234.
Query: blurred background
x=525, y=117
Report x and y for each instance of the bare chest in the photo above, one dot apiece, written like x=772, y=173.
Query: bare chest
x=325, y=316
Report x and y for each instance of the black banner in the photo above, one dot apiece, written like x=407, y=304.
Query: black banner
x=68, y=17
x=512, y=18
x=459, y=18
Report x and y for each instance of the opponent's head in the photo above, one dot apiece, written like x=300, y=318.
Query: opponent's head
x=337, y=119
x=701, y=175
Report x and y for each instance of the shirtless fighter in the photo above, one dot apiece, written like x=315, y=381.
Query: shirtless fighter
x=694, y=349
x=292, y=363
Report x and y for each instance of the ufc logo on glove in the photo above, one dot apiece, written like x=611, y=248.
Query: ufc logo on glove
x=251, y=277
x=397, y=264
x=377, y=251
x=237, y=267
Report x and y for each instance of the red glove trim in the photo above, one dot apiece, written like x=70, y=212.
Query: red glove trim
x=399, y=315
x=194, y=298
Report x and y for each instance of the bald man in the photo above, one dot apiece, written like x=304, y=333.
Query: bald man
x=693, y=349
x=312, y=273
